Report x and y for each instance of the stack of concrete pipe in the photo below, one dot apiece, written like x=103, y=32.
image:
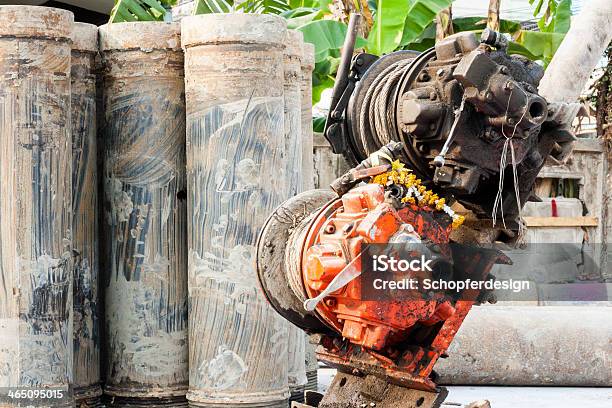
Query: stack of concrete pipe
x=101, y=260
x=201, y=130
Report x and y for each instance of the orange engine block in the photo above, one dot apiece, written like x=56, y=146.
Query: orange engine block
x=321, y=239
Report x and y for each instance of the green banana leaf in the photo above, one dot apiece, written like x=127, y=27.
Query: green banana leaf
x=295, y=4
x=264, y=6
x=139, y=10
x=420, y=14
x=480, y=23
x=327, y=36
x=301, y=16
x=212, y=6
x=557, y=18
x=389, y=21
x=536, y=46
x=318, y=124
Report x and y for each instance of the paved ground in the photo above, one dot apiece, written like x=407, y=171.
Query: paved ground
x=515, y=397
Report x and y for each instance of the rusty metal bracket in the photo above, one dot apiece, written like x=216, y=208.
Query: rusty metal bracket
x=351, y=391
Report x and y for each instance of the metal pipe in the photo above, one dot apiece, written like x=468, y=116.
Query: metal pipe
x=35, y=199
x=145, y=212
x=308, y=62
x=86, y=330
x=235, y=141
x=347, y=56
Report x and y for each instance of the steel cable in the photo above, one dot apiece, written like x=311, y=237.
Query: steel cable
x=377, y=114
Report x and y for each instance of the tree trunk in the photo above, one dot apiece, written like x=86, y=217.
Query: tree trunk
x=604, y=130
x=583, y=46
x=493, y=15
x=604, y=104
x=342, y=9
x=444, y=24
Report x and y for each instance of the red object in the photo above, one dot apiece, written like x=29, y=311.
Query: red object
x=381, y=333
x=553, y=208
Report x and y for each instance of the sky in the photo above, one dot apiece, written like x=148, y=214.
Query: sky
x=510, y=9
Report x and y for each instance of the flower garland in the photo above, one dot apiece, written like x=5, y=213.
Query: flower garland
x=416, y=194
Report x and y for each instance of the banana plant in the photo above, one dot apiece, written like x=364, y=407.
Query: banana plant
x=140, y=10
x=213, y=6
x=554, y=23
x=264, y=6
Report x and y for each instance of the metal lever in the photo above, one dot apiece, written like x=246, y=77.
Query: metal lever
x=348, y=274
x=342, y=86
x=439, y=159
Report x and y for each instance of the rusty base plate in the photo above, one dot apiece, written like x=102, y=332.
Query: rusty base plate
x=350, y=391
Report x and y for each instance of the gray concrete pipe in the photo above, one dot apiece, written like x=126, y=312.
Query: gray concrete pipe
x=292, y=61
x=308, y=62
x=86, y=330
x=531, y=346
x=145, y=207
x=35, y=199
x=292, y=64
x=235, y=152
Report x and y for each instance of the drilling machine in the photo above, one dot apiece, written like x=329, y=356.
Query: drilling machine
x=459, y=123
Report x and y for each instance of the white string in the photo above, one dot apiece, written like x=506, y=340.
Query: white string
x=498, y=203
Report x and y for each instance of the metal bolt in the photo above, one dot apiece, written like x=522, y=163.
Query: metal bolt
x=488, y=36
x=330, y=302
x=504, y=69
x=330, y=228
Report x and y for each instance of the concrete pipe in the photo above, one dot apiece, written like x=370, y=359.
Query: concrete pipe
x=292, y=66
x=145, y=210
x=297, y=363
x=292, y=62
x=86, y=330
x=308, y=62
x=312, y=367
x=531, y=346
x=35, y=199
x=235, y=148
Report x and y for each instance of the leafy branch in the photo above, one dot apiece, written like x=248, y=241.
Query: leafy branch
x=140, y=10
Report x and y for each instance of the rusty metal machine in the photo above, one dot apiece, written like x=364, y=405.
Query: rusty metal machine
x=424, y=131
